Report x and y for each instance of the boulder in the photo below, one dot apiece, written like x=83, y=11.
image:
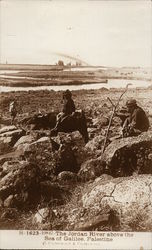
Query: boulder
x=95, y=144
x=53, y=191
x=90, y=169
x=7, y=129
x=9, y=213
x=124, y=156
x=9, y=201
x=4, y=121
x=66, y=160
x=130, y=197
x=93, y=223
x=19, y=178
x=13, y=155
x=8, y=137
x=67, y=176
x=74, y=144
x=41, y=153
x=69, y=151
x=9, y=166
x=100, y=121
x=92, y=132
x=5, y=144
x=74, y=138
x=14, y=133
x=42, y=215
x=26, y=139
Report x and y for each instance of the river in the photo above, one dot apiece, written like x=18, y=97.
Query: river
x=112, y=83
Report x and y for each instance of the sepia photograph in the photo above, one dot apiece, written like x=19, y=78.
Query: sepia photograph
x=76, y=124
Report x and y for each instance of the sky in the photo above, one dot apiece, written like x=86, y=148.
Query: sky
x=98, y=32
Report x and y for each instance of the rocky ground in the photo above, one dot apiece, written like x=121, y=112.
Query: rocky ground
x=64, y=184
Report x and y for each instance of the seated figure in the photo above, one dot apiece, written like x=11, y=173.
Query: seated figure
x=137, y=122
x=68, y=108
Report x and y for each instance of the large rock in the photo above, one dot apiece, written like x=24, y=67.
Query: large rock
x=41, y=153
x=127, y=155
x=73, y=151
x=67, y=176
x=53, y=191
x=5, y=144
x=9, y=201
x=66, y=160
x=100, y=121
x=26, y=139
x=42, y=215
x=19, y=184
x=8, y=137
x=90, y=169
x=70, y=152
x=7, y=129
x=129, y=197
x=95, y=144
x=9, y=166
x=11, y=156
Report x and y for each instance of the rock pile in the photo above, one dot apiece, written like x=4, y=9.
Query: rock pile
x=36, y=167
x=41, y=170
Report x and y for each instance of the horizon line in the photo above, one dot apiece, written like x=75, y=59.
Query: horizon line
x=84, y=66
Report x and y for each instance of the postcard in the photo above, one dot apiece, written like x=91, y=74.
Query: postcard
x=76, y=124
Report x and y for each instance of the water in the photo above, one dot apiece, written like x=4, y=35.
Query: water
x=20, y=77
x=112, y=83
x=7, y=71
x=121, y=83
x=86, y=69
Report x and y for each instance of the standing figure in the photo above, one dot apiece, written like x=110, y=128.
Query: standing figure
x=13, y=111
x=137, y=122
